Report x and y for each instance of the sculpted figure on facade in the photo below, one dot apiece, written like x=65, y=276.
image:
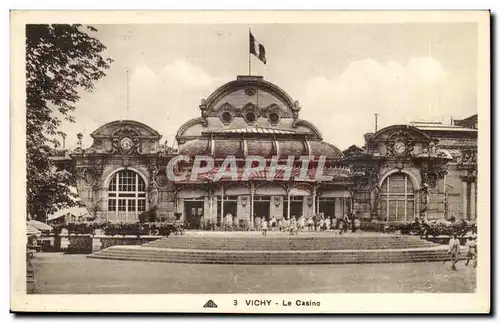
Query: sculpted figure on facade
x=432, y=149
x=376, y=199
x=153, y=194
x=424, y=198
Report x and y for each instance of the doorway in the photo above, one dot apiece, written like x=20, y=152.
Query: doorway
x=261, y=207
x=193, y=211
x=230, y=206
x=327, y=206
x=295, y=207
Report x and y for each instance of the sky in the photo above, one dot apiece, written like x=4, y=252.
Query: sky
x=342, y=74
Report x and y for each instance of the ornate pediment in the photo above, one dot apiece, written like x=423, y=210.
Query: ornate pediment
x=125, y=137
x=399, y=132
x=397, y=141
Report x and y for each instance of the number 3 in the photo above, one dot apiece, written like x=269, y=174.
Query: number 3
x=235, y=302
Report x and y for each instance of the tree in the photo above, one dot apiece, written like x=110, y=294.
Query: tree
x=61, y=60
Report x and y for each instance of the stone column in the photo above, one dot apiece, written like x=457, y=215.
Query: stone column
x=473, y=201
x=314, y=211
x=252, y=195
x=288, y=203
x=338, y=208
x=464, y=200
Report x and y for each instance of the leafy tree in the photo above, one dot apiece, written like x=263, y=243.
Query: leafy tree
x=61, y=60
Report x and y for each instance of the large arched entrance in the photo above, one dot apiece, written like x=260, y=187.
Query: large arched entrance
x=126, y=195
x=397, y=198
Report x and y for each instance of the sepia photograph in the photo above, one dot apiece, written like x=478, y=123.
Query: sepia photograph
x=298, y=156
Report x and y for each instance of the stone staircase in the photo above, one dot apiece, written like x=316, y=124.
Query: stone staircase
x=284, y=242
x=280, y=250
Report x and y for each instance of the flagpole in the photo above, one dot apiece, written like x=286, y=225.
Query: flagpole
x=249, y=55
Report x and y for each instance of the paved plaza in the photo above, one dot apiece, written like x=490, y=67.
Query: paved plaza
x=57, y=273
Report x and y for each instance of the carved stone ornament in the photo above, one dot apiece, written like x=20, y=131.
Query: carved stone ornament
x=153, y=169
x=250, y=91
x=400, y=144
x=203, y=108
x=468, y=157
x=90, y=176
x=277, y=201
x=126, y=140
x=244, y=201
x=433, y=173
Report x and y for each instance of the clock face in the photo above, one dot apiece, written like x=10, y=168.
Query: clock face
x=126, y=143
x=399, y=147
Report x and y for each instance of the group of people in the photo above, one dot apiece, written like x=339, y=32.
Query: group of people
x=283, y=225
x=454, y=251
x=316, y=222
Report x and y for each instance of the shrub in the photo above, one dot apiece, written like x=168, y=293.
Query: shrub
x=436, y=228
x=149, y=216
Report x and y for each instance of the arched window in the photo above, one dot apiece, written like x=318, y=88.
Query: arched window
x=397, y=198
x=127, y=193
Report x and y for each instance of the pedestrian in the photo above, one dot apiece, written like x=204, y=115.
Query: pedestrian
x=346, y=222
x=334, y=223
x=341, y=226
x=264, y=226
x=272, y=223
x=285, y=224
x=321, y=224
x=357, y=223
x=310, y=224
x=302, y=223
x=293, y=226
x=471, y=252
x=328, y=223
x=230, y=222
x=353, y=225
x=454, y=250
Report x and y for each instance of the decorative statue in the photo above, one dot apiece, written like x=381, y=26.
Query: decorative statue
x=97, y=207
x=424, y=195
x=79, y=142
x=432, y=149
x=376, y=198
x=153, y=194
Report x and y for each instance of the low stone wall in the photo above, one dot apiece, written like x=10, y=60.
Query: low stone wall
x=107, y=241
x=78, y=243
x=85, y=243
x=446, y=239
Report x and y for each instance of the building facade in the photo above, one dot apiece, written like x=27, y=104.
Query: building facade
x=427, y=169
x=401, y=172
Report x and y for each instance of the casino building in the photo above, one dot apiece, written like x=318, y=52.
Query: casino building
x=402, y=171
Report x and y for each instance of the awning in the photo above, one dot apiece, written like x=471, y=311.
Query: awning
x=75, y=211
x=191, y=193
x=294, y=191
x=234, y=190
x=32, y=231
x=39, y=225
x=270, y=190
x=333, y=193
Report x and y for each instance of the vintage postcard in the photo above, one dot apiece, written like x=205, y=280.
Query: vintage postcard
x=250, y=162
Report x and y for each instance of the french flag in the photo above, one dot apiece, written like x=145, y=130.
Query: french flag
x=257, y=49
